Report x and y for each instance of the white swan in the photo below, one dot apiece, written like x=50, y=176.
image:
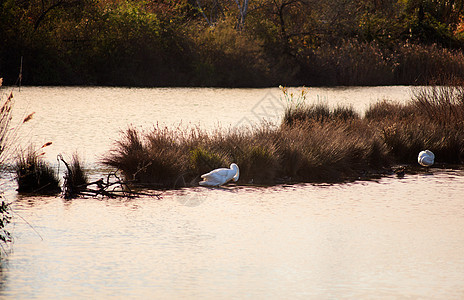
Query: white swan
x=426, y=158
x=220, y=176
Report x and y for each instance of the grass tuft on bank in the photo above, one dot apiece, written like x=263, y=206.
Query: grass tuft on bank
x=76, y=179
x=34, y=175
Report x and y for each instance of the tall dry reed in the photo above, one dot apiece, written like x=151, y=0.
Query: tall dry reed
x=5, y=117
x=5, y=130
x=436, y=123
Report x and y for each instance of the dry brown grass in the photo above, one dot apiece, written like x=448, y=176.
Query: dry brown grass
x=313, y=143
x=5, y=128
x=318, y=113
x=435, y=121
x=34, y=175
x=76, y=179
x=327, y=151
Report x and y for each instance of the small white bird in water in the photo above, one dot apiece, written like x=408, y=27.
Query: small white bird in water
x=426, y=158
x=220, y=176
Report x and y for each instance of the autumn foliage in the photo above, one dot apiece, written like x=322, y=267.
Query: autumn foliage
x=231, y=43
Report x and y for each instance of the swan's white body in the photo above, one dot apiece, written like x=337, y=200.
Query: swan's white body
x=426, y=158
x=220, y=176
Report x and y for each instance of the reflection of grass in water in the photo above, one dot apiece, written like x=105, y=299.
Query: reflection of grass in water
x=313, y=143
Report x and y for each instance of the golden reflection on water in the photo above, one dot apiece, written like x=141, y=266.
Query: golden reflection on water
x=392, y=238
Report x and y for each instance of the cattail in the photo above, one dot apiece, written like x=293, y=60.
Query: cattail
x=46, y=145
x=28, y=118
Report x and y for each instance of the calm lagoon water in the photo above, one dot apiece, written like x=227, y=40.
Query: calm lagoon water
x=390, y=239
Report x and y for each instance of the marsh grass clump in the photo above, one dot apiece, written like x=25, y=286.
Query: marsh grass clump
x=389, y=110
x=78, y=174
x=406, y=139
x=443, y=105
x=34, y=175
x=318, y=113
x=75, y=178
x=314, y=143
x=203, y=161
x=166, y=158
x=260, y=164
x=258, y=161
x=150, y=160
x=436, y=122
x=344, y=113
x=330, y=151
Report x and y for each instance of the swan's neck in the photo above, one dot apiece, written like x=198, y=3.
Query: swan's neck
x=237, y=173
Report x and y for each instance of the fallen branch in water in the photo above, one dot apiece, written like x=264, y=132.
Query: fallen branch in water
x=112, y=187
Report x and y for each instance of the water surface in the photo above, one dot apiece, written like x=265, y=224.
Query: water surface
x=395, y=238
x=390, y=238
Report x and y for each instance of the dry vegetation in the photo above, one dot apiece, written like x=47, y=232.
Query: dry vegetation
x=34, y=175
x=313, y=143
x=5, y=117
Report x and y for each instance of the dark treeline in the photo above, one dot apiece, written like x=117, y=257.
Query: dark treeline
x=231, y=42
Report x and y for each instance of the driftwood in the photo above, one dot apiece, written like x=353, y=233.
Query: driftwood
x=112, y=187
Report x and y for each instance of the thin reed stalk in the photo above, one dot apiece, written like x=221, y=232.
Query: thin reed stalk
x=441, y=104
x=5, y=132
x=5, y=118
